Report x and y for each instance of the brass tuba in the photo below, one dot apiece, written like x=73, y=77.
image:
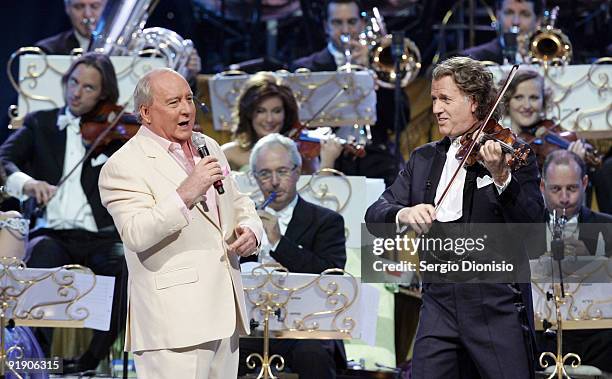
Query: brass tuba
x=120, y=32
x=381, y=60
x=549, y=45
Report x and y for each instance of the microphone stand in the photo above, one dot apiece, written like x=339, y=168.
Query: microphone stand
x=397, y=50
x=557, y=249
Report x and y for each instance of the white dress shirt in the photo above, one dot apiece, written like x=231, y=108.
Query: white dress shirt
x=452, y=206
x=284, y=218
x=68, y=208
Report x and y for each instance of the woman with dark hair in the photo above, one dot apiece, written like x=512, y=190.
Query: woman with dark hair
x=266, y=106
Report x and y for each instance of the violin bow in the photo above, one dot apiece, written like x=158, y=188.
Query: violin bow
x=500, y=95
x=94, y=145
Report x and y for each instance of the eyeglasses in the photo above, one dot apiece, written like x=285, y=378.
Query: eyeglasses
x=281, y=172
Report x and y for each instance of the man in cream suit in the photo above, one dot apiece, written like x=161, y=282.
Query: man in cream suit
x=182, y=240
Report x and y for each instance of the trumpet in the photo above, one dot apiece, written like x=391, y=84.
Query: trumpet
x=549, y=45
x=381, y=61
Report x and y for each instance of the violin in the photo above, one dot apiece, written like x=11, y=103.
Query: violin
x=98, y=131
x=496, y=132
x=310, y=147
x=547, y=136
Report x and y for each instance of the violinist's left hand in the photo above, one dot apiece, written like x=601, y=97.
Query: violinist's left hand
x=495, y=161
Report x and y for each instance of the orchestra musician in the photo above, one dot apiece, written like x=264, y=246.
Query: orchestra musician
x=75, y=228
x=516, y=20
x=84, y=16
x=266, y=106
x=343, y=17
x=476, y=329
x=304, y=238
x=526, y=103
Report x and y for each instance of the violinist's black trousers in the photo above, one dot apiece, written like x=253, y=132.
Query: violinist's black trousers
x=474, y=331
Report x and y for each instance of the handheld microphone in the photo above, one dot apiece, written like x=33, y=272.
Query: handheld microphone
x=200, y=143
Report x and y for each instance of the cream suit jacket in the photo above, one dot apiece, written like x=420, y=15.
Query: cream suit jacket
x=184, y=287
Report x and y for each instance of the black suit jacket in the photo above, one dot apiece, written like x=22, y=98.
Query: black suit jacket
x=490, y=51
x=59, y=44
x=313, y=242
x=596, y=223
x=520, y=202
x=38, y=149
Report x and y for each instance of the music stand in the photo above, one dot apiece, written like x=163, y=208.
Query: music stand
x=308, y=306
x=67, y=296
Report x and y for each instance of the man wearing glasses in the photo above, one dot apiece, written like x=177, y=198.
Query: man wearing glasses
x=301, y=236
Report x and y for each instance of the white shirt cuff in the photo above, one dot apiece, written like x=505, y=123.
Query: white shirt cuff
x=14, y=184
x=399, y=228
x=501, y=188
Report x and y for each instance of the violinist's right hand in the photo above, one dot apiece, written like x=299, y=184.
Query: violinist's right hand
x=330, y=151
x=419, y=218
x=194, y=188
x=41, y=190
x=577, y=147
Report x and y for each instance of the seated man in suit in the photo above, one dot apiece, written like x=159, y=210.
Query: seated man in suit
x=83, y=15
x=48, y=150
x=516, y=19
x=301, y=236
x=344, y=17
x=587, y=232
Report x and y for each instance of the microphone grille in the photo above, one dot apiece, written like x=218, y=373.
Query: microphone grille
x=198, y=139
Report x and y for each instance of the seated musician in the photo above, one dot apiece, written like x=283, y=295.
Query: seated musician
x=84, y=16
x=526, y=102
x=518, y=16
x=343, y=17
x=75, y=227
x=563, y=185
x=304, y=238
x=265, y=106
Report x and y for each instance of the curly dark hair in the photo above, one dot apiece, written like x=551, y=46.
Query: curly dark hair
x=258, y=88
x=474, y=80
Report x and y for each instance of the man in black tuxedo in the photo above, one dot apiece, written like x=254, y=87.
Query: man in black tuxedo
x=83, y=15
x=76, y=228
x=343, y=17
x=587, y=233
x=301, y=236
x=480, y=329
x=516, y=20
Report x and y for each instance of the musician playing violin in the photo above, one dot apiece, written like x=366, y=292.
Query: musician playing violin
x=478, y=329
x=75, y=227
x=526, y=102
x=266, y=106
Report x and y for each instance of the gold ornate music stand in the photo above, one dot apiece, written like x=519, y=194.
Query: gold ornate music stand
x=18, y=284
x=273, y=291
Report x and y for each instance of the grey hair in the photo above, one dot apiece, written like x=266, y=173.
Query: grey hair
x=275, y=139
x=143, y=95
